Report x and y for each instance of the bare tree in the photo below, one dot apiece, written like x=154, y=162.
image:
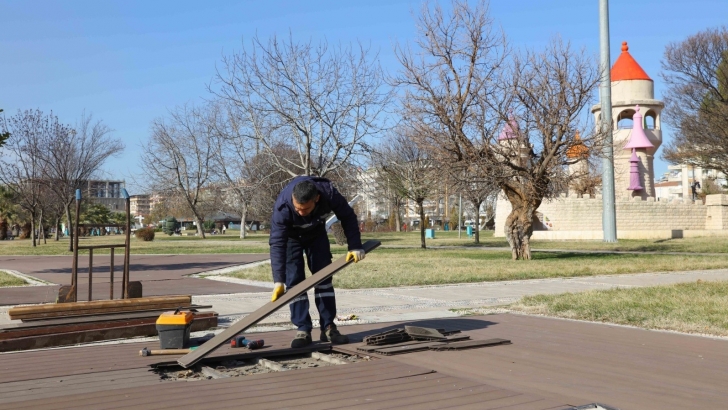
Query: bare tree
x=324, y=101
x=550, y=89
x=589, y=181
x=233, y=162
x=179, y=158
x=696, y=102
x=448, y=81
x=461, y=94
x=243, y=169
x=269, y=179
x=49, y=209
x=54, y=211
x=21, y=170
x=477, y=189
x=410, y=170
x=72, y=156
x=383, y=187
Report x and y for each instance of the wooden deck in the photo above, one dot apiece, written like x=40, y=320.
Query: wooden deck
x=551, y=364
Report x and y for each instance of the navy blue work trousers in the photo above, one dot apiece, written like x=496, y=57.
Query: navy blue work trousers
x=318, y=256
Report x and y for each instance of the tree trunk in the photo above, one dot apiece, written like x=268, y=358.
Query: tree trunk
x=32, y=227
x=422, y=223
x=58, y=227
x=519, y=227
x=339, y=234
x=69, y=226
x=397, y=219
x=477, y=221
x=200, y=228
x=243, y=214
x=41, y=229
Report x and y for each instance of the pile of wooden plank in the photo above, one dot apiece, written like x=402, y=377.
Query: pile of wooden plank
x=414, y=339
x=62, y=324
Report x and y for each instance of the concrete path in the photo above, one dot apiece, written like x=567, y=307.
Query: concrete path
x=234, y=298
x=425, y=302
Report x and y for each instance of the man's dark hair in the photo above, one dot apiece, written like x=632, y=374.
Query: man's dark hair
x=304, y=191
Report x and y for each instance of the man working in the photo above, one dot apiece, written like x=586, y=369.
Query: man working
x=298, y=226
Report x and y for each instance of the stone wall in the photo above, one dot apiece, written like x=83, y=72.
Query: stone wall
x=717, y=215
x=585, y=214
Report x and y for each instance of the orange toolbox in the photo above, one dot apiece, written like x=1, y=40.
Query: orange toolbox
x=174, y=329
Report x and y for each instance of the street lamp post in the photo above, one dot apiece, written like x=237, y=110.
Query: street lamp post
x=127, y=231
x=609, y=217
x=74, y=264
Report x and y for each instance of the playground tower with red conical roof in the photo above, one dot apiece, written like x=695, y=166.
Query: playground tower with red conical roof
x=637, y=133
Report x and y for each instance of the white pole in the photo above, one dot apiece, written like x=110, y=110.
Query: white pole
x=609, y=217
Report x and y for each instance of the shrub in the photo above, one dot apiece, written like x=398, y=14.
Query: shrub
x=25, y=231
x=369, y=225
x=145, y=234
x=170, y=225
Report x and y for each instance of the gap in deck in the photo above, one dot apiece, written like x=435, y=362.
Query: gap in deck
x=261, y=365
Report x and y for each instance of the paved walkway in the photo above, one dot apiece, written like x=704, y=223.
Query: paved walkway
x=159, y=274
x=425, y=302
x=233, y=298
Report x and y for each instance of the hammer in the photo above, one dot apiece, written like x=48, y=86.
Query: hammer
x=148, y=352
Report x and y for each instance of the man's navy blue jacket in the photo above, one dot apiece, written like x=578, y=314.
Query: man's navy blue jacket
x=287, y=223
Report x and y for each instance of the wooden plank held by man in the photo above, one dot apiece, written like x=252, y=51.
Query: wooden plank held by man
x=269, y=308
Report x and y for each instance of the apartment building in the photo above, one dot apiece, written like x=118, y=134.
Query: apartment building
x=140, y=205
x=105, y=192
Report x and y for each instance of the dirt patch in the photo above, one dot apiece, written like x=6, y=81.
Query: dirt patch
x=240, y=368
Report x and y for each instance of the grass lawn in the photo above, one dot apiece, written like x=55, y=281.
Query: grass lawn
x=696, y=307
x=450, y=238
x=386, y=267
x=7, y=279
x=258, y=243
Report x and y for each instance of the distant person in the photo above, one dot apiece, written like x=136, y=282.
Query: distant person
x=298, y=228
x=223, y=229
x=695, y=186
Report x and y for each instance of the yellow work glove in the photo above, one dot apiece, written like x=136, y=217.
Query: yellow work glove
x=356, y=255
x=278, y=290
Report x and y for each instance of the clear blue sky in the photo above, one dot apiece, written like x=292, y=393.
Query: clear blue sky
x=129, y=62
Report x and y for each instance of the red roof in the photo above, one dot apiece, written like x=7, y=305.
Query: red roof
x=578, y=149
x=626, y=68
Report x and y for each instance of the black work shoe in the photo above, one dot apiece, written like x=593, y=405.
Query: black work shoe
x=302, y=339
x=332, y=334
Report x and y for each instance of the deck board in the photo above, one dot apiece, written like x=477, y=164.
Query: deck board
x=58, y=387
x=389, y=389
x=550, y=364
x=399, y=396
